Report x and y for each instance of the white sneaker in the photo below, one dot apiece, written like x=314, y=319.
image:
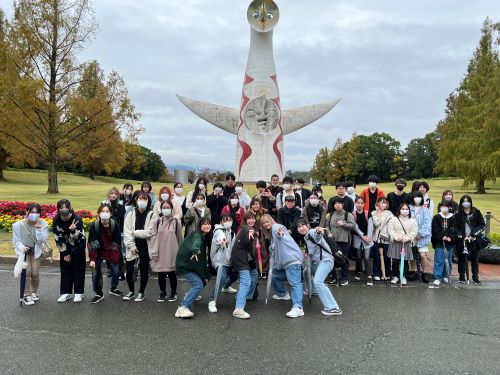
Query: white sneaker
x=64, y=298
x=183, y=313
x=376, y=278
x=437, y=282
x=369, y=281
x=295, y=312
x=403, y=281
x=229, y=290
x=35, y=297
x=286, y=297
x=241, y=314
x=212, y=307
x=394, y=280
x=78, y=298
x=28, y=301
x=445, y=280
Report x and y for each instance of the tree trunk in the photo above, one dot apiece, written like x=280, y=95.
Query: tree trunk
x=52, y=172
x=2, y=178
x=480, y=186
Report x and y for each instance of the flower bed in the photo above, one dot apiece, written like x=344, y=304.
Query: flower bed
x=10, y=212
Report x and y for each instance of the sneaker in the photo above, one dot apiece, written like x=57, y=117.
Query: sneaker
x=183, y=313
x=78, y=298
x=376, y=278
x=466, y=252
x=162, y=297
x=64, y=298
x=344, y=283
x=140, y=297
x=199, y=298
x=172, y=298
x=414, y=276
x=97, y=298
x=229, y=290
x=116, y=292
x=28, y=301
x=461, y=279
x=35, y=297
x=394, y=280
x=437, y=282
x=445, y=280
x=358, y=276
x=403, y=281
x=369, y=281
x=332, y=312
x=295, y=312
x=476, y=281
x=212, y=307
x=241, y=314
x=425, y=278
x=129, y=296
x=332, y=281
x=286, y=297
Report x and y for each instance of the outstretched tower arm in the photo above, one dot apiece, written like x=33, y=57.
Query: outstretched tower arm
x=296, y=118
x=223, y=117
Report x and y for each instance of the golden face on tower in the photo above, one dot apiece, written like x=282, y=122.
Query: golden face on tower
x=263, y=15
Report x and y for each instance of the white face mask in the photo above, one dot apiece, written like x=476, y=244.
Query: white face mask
x=444, y=210
x=105, y=215
x=319, y=194
x=350, y=190
x=405, y=212
x=165, y=196
x=199, y=202
x=234, y=201
x=201, y=186
x=417, y=201
x=33, y=217
x=178, y=191
x=372, y=184
x=142, y=204
x=227, y=224
x=314, y=202
x=298, y=187
x=466, y=204
x=448, y=198
x=218, y=190
x=286, y=187
x=166, y=211
x=238, y=189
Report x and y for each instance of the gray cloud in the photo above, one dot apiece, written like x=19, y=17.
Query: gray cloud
x=393, y=63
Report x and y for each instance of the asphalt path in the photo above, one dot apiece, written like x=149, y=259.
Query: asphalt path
x=384, y=330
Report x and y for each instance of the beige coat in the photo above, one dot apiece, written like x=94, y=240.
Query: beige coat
x=166, y=237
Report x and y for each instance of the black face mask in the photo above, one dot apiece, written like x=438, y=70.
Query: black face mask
x=400, y=187
x=64, y=212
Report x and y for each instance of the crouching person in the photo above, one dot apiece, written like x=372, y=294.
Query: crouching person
x=322, y=264
x=286, y=260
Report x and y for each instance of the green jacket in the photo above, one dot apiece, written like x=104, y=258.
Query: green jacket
x=192, y=244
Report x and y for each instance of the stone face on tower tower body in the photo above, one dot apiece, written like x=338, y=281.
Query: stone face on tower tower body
x=260, y=124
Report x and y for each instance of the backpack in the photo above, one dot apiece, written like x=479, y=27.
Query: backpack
x=112, y=225
x=158, y=224
x=333, y=249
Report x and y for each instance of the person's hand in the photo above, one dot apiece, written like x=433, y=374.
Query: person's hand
x=320, y=230
x=195, y=257
x=366, y=239
x=280, y=232
x=67, y=258
x=289, y=231
x=38, y=224
x=224, y=242
x=72, y=227
x=340, y=222
x=92, y=264
x=251, y=234
x=134, y=251
x=26, y=250
x=330, y=235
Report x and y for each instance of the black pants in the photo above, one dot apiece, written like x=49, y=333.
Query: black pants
x=344, y=267
x=396, y=264
x=473, y=257
x=144, y=269
x=73, y=274
x=162, y=281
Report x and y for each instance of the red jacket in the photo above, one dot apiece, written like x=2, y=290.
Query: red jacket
x=237, y=217
x=365, y=194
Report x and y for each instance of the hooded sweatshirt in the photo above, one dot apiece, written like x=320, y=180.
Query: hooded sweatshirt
x=219, y=254
x=317, y=252
x=284, y=250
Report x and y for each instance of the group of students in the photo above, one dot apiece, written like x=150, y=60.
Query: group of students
x=237, y=237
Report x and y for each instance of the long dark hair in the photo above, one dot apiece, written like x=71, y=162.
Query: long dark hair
x=461, y=208
x=144, y=195
x=60, y=204
x=197, y=189
x=203, y=221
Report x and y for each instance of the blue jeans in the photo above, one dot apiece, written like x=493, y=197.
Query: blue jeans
x=293, y=274
x=323, y=269
x=97, y=276
x=248, y=282
x=194, y=292
x=228, y=277
x=439, y=266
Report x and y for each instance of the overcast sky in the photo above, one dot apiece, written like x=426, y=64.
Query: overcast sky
x=392, y=63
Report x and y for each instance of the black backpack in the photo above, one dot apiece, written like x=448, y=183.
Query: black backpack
x=333, y=249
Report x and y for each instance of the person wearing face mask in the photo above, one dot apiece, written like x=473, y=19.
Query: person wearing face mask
x=195, y=213
x=381, y=217
x=287, y=191
x=428, y=203
x=220, y=255
x=402, y=230
x=371, y=194
x=136, y=233
x=443, y=234
x=303, y=193
x=314, y=213
x=274, y=186
x=200, y=187
x=104, y=245
x=230, y=185
x=288, y=216
x=351, y=190
x=397, y=197
x=166, y=237
x=236, y=212
x=164, y=196
x=423, y=239
x=147, y=188
x=178, y=197
x=319, y=193
x=448, y=197
x=250, y=220
x=216, y=202
x=29, y=235
x=70, y=239
x=470, y=224
x=266, y=198
x=347, y=202
x=242, y=196
x=362, y=241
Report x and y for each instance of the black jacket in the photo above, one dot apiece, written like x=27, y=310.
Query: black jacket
x=477, y=223
x=348, y=204
x=241, y=253
x=440, y=230
x=395, y=201
x=216, y=204
x=289, y=219
x=304, y=194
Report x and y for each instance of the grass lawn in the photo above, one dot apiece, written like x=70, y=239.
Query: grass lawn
x=84, y=193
